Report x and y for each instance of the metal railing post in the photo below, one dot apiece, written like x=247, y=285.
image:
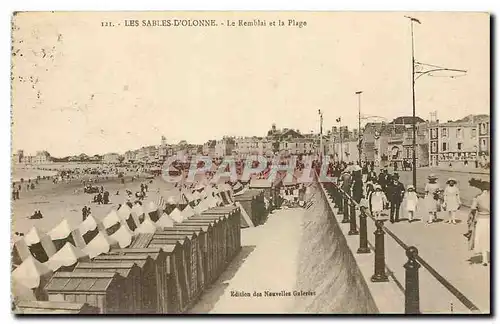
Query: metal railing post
x=363, y=235
x=340, y=201
x=379, y=275
x=353, y=230
x=412, y=288
x=346, y=208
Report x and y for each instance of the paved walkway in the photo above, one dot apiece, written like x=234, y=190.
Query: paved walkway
x=268, y=261
x=443, y=247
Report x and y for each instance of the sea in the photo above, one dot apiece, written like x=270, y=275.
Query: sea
x=29, y=173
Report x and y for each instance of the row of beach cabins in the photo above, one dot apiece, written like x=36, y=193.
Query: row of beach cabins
x=155, y=258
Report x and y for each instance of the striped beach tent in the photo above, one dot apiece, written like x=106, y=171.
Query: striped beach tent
x=165, y=221
x=65, y=233
x=176, y=215
x=33, y=275
x=66, y=258
x=35, y=243
x=117, y=230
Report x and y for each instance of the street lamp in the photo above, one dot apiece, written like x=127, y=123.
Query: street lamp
x=424, y=69
x=359, y=126
x=320, y=134
x=339, y=120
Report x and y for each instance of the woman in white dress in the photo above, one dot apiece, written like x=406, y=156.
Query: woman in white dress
x=411, y=202
x=451, y=200
x=481, y=228
x=377, y=200
x=431, y=189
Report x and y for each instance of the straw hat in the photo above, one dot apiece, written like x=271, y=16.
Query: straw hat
x=451, y=179
x=378, y=187
x=410, y=187
x=432, y=176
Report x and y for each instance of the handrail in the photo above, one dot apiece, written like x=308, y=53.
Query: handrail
x=450, y=287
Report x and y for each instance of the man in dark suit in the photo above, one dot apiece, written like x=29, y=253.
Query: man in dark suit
x=395, y=194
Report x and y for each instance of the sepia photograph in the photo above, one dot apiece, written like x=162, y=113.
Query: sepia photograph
x=250, y=162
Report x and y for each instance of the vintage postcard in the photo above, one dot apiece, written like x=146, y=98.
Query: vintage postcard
x=250, y=163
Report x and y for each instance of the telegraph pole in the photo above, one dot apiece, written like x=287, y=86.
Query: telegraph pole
x=359, y=126
x=424, y=69
x=414, y=128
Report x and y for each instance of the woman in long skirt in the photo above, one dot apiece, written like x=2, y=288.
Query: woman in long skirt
x=431, y=188
x=481, y=226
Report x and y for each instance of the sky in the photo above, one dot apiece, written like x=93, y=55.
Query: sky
x=79, y=87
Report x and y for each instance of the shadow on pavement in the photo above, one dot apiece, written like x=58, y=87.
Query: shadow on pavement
x=211, y=296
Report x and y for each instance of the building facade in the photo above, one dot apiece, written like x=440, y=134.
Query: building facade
x=464, y=142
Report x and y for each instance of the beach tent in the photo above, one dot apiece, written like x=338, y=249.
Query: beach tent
x=176, y=215
x=153, y=211
x=202, y=206
x=65, y=233
x=21, y=293
x=99, y=244
x=138, y=214
x=187, y=212
x=66, y=258
x=116, y=230
x=188, y=196
x=33, y=275
x=38, y=244
x=148, y=226
x=165, y=221
x=124, y=211
x=88, y=230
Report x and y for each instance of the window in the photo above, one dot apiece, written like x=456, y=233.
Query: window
x=444, y=146
x=484, y=145
x=473, y=133
x=444, y=132
x=434, y=147
x=434, y=133
x=484, y=128
x=459, y=146
x=459, y=132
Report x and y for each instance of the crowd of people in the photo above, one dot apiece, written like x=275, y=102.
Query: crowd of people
x=384, y=193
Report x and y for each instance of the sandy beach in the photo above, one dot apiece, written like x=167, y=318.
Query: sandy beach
x=66, y=200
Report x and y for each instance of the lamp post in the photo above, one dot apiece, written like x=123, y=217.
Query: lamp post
x=424, y=69
x=339, y=120
x=359, y=126
x=414, y=129
x=320, y=134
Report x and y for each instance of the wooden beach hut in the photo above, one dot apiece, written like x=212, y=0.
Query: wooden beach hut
x=215, y=241
x=153, y=288
x=177, y=280
x=207, y=246
x=132, y=281
x=54, y=308
x=252, y=201
x=232, y=236
x=104, y=290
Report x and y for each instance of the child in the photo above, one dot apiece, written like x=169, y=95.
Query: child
x=411, y=202
x=378, y=200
